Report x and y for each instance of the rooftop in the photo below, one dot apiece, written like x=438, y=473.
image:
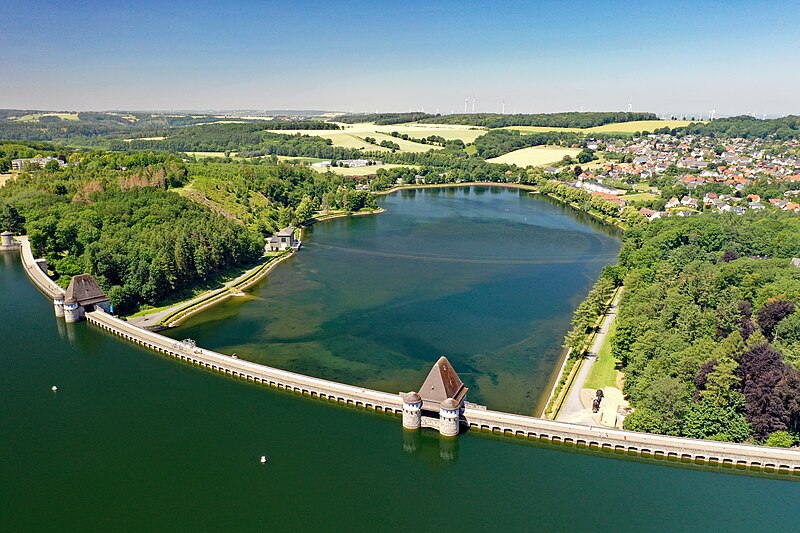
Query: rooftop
x=84, y=290
x=442, y=383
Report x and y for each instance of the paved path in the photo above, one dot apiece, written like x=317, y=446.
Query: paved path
x=213, y=297
x=573, y=409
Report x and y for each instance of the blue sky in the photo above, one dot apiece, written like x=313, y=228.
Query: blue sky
x=665, y=57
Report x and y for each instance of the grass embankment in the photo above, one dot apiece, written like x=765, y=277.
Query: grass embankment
x=242, y=283
x=340, y=213
x=604, y=371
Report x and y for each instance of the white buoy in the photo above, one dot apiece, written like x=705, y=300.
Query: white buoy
x=54, y=388
x=263, y=459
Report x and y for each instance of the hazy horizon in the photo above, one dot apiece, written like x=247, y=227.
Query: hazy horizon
x=666, y=58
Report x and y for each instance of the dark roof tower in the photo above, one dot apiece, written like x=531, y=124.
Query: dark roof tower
x=442, y=383
x=84, y=290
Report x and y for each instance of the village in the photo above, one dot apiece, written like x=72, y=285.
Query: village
x=666, y=175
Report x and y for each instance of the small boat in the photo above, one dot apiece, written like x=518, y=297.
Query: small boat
x=263, y=459
x=54, y=388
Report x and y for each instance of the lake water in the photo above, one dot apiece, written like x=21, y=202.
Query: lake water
x=487, y=277
x=133, y=441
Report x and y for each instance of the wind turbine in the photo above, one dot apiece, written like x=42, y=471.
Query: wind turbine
x=466, y=101
x=581, y=108
x=504, y=107
x=473, y=104
x=630, y=105
x=712, y=114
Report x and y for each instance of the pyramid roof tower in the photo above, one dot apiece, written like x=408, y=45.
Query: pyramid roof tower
x=442, y=383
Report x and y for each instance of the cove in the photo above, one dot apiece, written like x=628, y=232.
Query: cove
x=487, y=277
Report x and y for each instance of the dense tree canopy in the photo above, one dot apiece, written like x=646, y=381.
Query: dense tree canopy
x=710, y=346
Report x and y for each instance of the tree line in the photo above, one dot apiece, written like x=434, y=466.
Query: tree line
x=553, y=120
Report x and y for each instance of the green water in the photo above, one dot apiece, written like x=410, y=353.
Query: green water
x=132, y=441
x=487, y=277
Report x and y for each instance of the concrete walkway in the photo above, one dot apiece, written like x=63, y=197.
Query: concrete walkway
x=573, y=409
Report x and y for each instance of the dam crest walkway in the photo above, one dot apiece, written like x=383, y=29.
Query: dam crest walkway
x=676, y=449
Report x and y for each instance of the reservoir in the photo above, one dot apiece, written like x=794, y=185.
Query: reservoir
x=487, y=277
x=134, y=441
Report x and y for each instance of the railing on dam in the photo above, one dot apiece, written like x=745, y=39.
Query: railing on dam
x=631, y=442
x=238, y=368
x=475, y=417
x=39, y=278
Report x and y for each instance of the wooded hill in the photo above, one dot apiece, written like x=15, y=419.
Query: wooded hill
x=708, y=328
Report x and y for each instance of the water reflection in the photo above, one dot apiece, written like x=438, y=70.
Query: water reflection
x=429, y=444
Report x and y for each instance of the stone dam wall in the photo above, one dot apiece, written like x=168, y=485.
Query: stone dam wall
x=675, y=449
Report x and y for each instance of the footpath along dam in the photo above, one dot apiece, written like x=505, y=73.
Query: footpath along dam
x=470, y=416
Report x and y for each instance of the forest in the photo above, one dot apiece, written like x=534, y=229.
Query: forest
x=151, y=227
x=708, y=330
x=572, y=119
x=747, y=127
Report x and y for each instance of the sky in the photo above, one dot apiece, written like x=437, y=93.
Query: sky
x=668, y=57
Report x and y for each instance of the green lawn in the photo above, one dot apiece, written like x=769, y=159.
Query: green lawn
x=640, y=196
x=360, y=171
x=604, y=372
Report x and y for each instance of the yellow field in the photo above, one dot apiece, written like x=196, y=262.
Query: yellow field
x=353, y=134
x=358, y=171
x=34, y=117
x=339, y=138
x=616, y=127
x=535, y=156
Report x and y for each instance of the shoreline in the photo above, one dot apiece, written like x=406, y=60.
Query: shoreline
x=178, y=313
x=397, y=188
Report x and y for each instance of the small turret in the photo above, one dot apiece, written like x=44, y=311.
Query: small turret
x=412, y=410
x=449, y=417
x=58, y=305
x=73, y=312
x=7, y=239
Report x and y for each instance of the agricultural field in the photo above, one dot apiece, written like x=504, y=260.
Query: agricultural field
x=34, y=117
x=616, y=127
x=352, y=136
x=535, y=156
x=5, y=177
x=359, y=171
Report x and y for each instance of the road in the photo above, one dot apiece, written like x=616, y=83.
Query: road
x=573, y=409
